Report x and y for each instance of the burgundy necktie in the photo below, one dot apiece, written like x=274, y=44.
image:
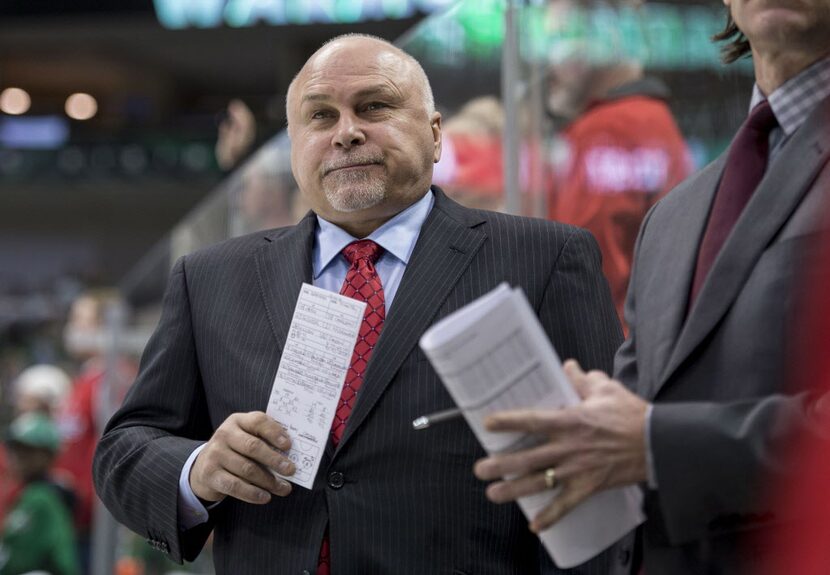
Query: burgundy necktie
x=745, y=166
x=362, y=283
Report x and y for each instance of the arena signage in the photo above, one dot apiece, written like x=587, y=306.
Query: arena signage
x=177, y=14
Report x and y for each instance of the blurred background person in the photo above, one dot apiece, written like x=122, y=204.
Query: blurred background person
x=619, y=150
x=79, y=419
x=265, y=194
x=37, y=534
x=264, y=202
x=39, y=389
x=471, y=167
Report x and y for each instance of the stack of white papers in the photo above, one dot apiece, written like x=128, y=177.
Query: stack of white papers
x=494, y=355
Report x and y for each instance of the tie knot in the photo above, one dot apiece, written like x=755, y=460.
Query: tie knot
x=362, y=250
x=762, y=119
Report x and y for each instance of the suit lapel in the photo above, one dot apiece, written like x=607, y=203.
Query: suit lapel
x=448, y=241
x=283, y=264
x=772, y=204
x=664, y=310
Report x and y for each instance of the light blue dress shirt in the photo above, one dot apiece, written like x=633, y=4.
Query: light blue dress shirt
x=397, y=237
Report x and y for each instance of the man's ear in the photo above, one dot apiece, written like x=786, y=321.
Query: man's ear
x=435, y=124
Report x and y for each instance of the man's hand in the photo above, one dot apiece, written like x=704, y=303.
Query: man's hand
x=595, y=445
x=238, y=460
x=237, y=133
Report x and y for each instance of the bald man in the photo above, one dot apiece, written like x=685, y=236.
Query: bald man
x=191, y=450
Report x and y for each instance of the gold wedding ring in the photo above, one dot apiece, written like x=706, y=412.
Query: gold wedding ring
x=550, y=478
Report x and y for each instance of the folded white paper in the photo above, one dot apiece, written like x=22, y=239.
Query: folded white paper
x=494, y=355
x=312, y=370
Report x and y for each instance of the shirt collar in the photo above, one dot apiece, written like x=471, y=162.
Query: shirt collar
x=796, y=98
x=397, y=236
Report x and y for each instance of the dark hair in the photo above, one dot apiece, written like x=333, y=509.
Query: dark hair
x=738, y=47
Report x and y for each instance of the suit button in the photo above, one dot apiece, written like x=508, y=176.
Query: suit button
x=336, y=480
x=306, y=572
x=624, y=556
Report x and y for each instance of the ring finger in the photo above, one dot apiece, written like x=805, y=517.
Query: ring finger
x=512, y=489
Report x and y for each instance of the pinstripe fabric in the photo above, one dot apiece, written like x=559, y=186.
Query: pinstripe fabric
x=410, y=503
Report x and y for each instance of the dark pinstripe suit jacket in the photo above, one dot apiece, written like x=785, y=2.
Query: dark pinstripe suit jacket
x=395, y=501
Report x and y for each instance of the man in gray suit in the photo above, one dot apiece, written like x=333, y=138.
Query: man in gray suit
x=191, y=451
x=719, y=265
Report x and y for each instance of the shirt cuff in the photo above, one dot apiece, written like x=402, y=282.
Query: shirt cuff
x=651, y=474
x=191, y=510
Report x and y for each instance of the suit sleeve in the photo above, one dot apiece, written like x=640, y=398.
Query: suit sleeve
x=714, y=460
x=578, y=314
x=163, y=419
x=577, y=311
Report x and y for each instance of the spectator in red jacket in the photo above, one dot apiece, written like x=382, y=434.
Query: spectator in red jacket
x=621, y=149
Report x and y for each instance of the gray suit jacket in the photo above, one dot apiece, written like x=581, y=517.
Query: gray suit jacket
x=718, y=377
x=395, y=501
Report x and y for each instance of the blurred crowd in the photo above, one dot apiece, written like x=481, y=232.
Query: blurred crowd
x=56, y=415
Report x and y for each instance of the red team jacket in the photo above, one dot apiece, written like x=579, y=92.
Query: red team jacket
x=622, y=155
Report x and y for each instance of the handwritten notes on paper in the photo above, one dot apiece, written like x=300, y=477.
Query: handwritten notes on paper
x=312, y=370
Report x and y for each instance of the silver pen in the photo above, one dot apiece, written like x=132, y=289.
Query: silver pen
x=438, y=417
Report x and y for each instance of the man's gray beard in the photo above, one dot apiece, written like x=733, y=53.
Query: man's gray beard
x=353, y=192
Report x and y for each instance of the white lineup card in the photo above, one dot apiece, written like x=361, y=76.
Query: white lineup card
x=316, y=357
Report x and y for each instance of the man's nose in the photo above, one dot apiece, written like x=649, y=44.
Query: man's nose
x=348, y=132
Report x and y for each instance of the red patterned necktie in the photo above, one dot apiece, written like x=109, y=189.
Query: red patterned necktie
x=745, y=166
x=362, y=283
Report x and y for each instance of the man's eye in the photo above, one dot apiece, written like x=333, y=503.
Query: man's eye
x=320, y=115
x=373, y=106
